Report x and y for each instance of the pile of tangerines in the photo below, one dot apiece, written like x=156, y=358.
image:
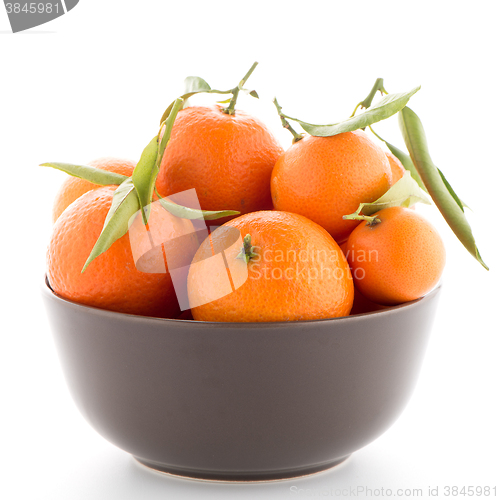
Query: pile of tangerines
x=303, y=259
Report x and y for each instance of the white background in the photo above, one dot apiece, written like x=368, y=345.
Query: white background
x=96, y=81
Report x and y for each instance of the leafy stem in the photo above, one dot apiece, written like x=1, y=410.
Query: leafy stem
x=377, y=87
x=232, y=103
x=375, y=133
x=404, y=193
x=388, y=106
x=286, y=124
x=370, y=219
x=445, y=198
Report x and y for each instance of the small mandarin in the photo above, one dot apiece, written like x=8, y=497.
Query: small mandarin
x=398, y=259
x=325, y=178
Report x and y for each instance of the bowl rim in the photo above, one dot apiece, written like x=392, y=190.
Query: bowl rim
x=47, y=290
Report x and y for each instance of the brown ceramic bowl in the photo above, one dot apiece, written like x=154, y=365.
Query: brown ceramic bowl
x=240, y=401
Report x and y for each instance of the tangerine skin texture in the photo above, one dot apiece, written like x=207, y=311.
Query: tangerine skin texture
x=397, y=168
x=73, y=187
x=228, y=159
x=283, y=284
x=111, y=281
x=406, y=261
x=325, y=178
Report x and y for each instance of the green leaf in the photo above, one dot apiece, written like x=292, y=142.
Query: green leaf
x=192, y=213
x=416, y=142
x=195, y=84
x=460, y=203
x=91, y=174
x=125, y=204
x=386, y=107
x=405, y=193
x=167, y=132
x=141, y=177
x=146, y=171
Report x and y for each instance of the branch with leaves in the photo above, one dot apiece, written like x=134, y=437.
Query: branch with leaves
x=135, y=193
x=426, y=176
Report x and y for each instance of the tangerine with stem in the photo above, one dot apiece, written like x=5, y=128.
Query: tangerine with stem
x=397, y=257
x=324, y=178
x=296, y=271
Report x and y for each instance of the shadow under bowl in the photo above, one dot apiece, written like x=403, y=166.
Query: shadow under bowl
x=240, y=401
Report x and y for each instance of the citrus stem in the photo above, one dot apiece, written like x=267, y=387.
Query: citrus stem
x=370, y=220
x=247, y=250
x=375, y=133
x=230, y=109
x=286, y=124
x=377, y=87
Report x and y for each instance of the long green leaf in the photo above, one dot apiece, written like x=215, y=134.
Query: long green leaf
x=405, y=193
x=192, y=213
x=416, y=142
x=460, y=203
x=141, y=177
x=88, y=173
x=167, y=132
x=146, y=171
x=125, y=204
x=386, y=107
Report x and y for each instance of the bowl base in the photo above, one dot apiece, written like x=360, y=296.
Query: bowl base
x=256, y=476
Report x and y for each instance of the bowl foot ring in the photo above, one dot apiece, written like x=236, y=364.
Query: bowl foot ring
x=226, y=476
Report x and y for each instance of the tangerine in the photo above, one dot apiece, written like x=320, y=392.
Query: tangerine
x=398, y=259
x=112, y=280
x=325, y=178
x=227, y=158
x=295, y=271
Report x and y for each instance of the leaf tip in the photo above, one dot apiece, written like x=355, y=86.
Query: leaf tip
x=86, y=265
x=481, y=261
